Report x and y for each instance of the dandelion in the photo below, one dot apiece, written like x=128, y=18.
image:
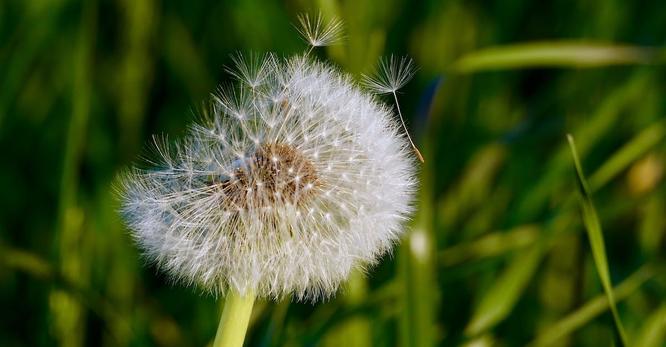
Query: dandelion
x=253, y=69
x=317, y=33
x=292, y=178
x=392, y=75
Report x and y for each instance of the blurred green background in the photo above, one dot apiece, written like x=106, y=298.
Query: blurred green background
x=505, y=248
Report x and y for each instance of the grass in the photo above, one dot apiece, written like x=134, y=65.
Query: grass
x=596, y=239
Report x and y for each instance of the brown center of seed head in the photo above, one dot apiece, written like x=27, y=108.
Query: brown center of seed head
x=275, y=173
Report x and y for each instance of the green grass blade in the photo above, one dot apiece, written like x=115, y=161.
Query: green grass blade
x=653, y=333
x=25, y=261
x=490, y=245
x=556, y=54
x=498, y=301
x=474, y=185
x=354, y=331
x=595, y=235
x=67, y=314
x=652, y=225
x=591, y=309
x=419, y=291
x=631, y=151
x=419, y=297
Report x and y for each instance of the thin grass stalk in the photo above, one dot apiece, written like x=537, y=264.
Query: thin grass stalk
x=595, y=235
x=68, y=314
x=417, y=273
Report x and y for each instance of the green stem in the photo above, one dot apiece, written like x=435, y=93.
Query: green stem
x=234, y=320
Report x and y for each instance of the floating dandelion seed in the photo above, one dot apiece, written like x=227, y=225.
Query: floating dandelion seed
x=393, y=74
x=317, y=33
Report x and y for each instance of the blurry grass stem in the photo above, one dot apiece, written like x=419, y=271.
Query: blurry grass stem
x=506, y=290
x=419, y=295
x=641, y=143
x=490, y=245
x=68, y=316
x=557, y=54
x=592, y=309
x=235, y=319
x=653, y=332
x=595, y=235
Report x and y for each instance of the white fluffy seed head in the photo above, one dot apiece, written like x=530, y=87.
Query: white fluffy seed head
x=293, y=178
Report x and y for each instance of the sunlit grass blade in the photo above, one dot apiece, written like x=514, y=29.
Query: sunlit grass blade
x=505, y=291
x=591, y=309
x=355, y=331
x=652, y=225
x=595, y=235
x=73, y=247
x=557, y=54
x=486, y=340
x=136, y=70
x=631, y=151
x=274, y=333
x=419, y=290
x=25, y=261
x=417, y=271
x=330, y=316
x=490, y=245
x=474, y=184
x=653, y=333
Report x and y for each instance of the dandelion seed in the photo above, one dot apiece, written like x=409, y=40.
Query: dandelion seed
x=392, y=75
x=252, y=69
x=317, y=33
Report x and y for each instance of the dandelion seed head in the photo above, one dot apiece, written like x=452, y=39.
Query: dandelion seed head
x=314, y=180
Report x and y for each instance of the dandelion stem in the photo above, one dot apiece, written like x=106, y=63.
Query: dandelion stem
x=234, y=321
x=416, y=150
